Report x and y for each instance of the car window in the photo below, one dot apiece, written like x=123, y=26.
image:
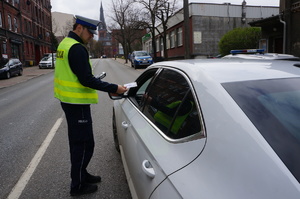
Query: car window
x=137, y=93
x=170, y=105
x=273, y=106
x=141, y=53
x=15, y=61
x=45, y=58
x=10, y=62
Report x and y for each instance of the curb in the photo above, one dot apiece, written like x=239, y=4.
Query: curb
x=122, y=61
x=28, y=73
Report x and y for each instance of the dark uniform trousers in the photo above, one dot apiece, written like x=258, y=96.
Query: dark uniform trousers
x=81, y=140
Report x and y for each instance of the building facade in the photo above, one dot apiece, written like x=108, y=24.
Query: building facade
x=208, y=23
x=280, y=33
x=290, y=10
x=25, y=28
x=62, y=23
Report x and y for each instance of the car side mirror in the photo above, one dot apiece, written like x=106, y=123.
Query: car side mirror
x=115, y=96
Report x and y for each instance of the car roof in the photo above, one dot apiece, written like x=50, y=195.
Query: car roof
x=234, y=70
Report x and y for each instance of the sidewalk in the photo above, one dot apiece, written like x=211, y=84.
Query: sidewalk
x=122, y=61
x=28, y=73
x=34, y=71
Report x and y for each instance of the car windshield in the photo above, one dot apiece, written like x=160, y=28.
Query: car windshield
x=141, y=54
x=47, y=59
x=273, y=106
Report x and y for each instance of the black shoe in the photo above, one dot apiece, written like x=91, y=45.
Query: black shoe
x=84, y=189
x=92, y=179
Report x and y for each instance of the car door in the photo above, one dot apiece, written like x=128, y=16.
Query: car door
x=154, y=142
x=18, y=65
x=12, y=66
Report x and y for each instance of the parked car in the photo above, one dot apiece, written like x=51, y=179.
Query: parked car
x=46, y=62
x=213, y=129
x=10, y=67
x=140, y=58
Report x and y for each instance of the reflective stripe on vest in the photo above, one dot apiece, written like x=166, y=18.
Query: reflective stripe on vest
x=166, y=120
x=67, y=87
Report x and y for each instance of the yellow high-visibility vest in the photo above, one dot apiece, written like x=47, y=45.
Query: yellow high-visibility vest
x=67, y=87
x=166, y=120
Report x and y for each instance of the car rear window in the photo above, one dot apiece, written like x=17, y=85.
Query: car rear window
x=273, y=106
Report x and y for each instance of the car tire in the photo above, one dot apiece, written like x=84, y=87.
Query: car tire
x=20, y=72
x=115, y=133
x=135, y=66
x=8, y=75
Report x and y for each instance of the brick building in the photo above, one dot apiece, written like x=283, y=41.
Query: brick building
x=25, y=27
x=208, y=23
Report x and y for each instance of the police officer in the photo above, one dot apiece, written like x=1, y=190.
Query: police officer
x=76, y=88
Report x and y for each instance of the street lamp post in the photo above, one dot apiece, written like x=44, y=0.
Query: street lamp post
x=186, y=15
x=51, y=35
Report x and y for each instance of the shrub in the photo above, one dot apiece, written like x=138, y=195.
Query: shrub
x=240, y=38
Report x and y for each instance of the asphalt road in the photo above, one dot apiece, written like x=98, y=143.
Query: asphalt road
x=28, y=113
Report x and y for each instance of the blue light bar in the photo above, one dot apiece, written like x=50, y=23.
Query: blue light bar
x=247, y=51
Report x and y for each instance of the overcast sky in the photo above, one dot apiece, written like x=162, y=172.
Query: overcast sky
x=91, y=8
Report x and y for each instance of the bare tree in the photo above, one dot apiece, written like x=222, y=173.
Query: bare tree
x=95, y=48
x=151, y=9
x=129, y=25
x=159, y=12
x=165, y=12
x=54, y=26
x=67, y=27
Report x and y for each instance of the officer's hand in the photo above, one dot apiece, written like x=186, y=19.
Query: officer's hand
x=121, y=89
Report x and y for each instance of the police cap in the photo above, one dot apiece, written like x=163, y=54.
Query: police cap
x=90, y=24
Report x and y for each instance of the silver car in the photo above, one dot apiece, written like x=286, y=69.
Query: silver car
x=213, y=129
x=46, y=62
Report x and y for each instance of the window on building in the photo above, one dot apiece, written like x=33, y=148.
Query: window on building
x=29, y=27
x=9, y=22
x=179, y=37
x=4, y=49
x=157, y=45
x=168, y=41
x=16, y=25
x=0, y=19
x=172, y=39
x=25, y=24
x=161, y=43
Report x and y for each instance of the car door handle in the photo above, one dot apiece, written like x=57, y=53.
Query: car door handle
x=148, y=168
x=125, y=124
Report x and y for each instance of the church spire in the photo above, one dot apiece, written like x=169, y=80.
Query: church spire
x=102, y=25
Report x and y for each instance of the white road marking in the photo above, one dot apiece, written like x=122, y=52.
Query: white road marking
x=21, y=184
